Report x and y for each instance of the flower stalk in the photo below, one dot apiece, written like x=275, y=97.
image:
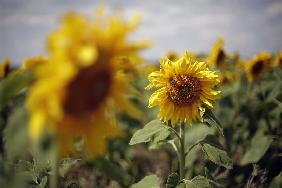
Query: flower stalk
x=182, y=151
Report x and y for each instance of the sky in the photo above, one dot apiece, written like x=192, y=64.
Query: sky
x=248, y=26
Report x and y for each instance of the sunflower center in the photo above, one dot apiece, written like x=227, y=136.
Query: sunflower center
x=184, y=89
x=220, y=57
x=257, y=68
x=87, y=91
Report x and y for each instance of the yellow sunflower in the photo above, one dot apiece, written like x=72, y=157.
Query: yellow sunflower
x=5, y=68
x=30, y=64
x=172, y=55
x=258, y=65
x=184, y=89
x=278, y=59
x=79, y=90
x=217, y=55
x=228, y=77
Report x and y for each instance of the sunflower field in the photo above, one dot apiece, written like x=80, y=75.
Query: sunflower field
x=93, y=112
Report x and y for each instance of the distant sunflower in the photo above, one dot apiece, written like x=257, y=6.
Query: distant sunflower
x=217, y=56
x=258, y=65
x=184, y=88
x=228, y=77
x=5, y=68
x=278, y=59
x=78, y=92
x=172, y=55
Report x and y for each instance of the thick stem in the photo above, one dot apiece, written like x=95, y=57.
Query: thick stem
x=54, y=176
x=182, y=151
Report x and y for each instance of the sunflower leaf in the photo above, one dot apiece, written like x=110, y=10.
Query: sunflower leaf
x=259, y=145
x=172, y=180
x=201, y=181
x=215, y=152
x=211, y=120
x=12, y=86
x=15, y=134
x=153, y=131
x=151, y=181
x=113, y=171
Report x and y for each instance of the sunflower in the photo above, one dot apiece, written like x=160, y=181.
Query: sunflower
x=30, y=64
x=278, y=59
x=184, y=89
x=217, y=57
x=228, y=77
x=258, y=65
x=172, y=55
x=82, y=86
x=5, y=68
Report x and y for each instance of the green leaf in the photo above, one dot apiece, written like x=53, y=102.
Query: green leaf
x=12, y=86
x=113, y=171
x=172, y=180
x=211, y=179
x=190, y=184
x=276, y=182
x=259, y=145
x=151, y=181
x=210, y=119
x=201, y=181
x=196, y=182
x=16, y=134
x=154, y=129
x=65, y=165
x=43, y=183
x=159, y=139
x=196, y=134
x=161, y=135
x=215, y=152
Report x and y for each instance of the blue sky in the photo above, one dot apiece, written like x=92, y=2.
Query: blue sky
x=248, y=26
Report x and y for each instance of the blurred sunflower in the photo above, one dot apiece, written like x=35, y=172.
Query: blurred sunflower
x=217, y=56
x=5, y=68
x=79, y=90
x=258, y=65
x=184, y=88
x=172, y=55
x=30, y=64
x=228, y=77
x=278, y=59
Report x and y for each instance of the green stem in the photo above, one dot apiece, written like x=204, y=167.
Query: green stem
x=182, y=151
x=54, y=176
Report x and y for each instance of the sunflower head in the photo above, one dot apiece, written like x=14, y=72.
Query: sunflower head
x=217, y=55
x=278, y=59
x=183, y=89
x=82, y=86
x=258, y=65
x=228, y=77
x=5, y=68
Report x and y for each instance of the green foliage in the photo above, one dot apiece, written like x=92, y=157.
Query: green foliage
x=12, y=86
x=151, y=181
x=16, y=134
x=211, y=120
x=259, y=145
x=153, y=131
x=172, y=180
x=65, y=165
x=113, y=171
x=276, y=182
x=198, y=181
x=215, y=152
